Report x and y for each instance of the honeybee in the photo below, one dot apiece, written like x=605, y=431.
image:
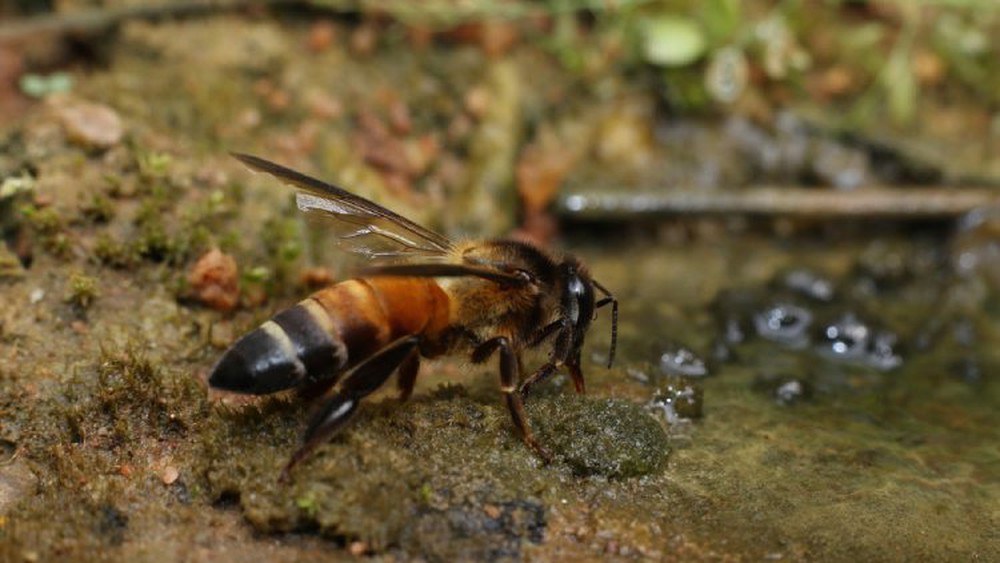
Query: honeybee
x=424, y=296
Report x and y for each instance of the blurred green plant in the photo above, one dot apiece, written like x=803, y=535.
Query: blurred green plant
x=711, y=52
x=39, y=85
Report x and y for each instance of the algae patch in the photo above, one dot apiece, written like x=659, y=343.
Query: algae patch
x=94, y=449
x=601, y=437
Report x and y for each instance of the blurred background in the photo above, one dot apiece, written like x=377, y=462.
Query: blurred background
x=794, y=201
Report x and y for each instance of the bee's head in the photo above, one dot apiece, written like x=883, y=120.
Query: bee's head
x=562, y=283
x=578, y=305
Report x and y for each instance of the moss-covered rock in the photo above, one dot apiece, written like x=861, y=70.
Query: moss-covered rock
x=602, y=437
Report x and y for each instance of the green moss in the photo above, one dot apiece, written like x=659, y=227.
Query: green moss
x=58, y=244
x=84, y=525
x=100, y=209
x=45, y=220
x=134, y=398
x=10, y=265
x=282, y=238
x=606, y=437
x=82, y=290
x=105, y=415
x=175, y=244
x=153, y=164
x=113, y=252
x=50, y=226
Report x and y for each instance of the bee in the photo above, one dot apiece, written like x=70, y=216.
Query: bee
x=424, y=296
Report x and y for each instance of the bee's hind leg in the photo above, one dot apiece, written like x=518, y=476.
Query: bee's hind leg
x=408, y=375
x=508, y=386
x=361, y=382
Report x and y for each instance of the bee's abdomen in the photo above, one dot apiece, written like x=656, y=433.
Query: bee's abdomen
x=299, y=344
x=330, y=332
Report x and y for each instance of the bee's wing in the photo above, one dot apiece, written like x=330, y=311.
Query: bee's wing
x=442, y=270
x=364, y=227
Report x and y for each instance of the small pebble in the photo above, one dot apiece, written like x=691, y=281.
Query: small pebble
x=321, y=36
x=169, y=475
x=477, y=101
x=358, y=548
x=323, y=105
x=214, y=280
x=89, y=124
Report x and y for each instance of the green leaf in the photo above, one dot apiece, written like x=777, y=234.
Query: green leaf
x=672, y=41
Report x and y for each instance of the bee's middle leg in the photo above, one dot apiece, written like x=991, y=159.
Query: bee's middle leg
x=508, y=386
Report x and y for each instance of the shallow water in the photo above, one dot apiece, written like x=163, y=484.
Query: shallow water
x=852, y=460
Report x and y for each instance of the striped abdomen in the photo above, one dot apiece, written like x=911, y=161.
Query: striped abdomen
x=329, y=332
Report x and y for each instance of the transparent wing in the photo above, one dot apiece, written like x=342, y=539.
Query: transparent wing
x=363, y=227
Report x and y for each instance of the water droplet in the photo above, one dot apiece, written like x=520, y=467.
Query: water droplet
x=678, y=360
x=850, y=339
x=785, y=389
x=845, y=339
x=882, y=352
x=677, y=401
x=784, y=323
x=809, y=284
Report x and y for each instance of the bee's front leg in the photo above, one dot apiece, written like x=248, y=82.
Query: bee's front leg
x=561, y=348
x=541, y=374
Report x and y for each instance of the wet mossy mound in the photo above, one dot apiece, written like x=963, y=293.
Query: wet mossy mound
x=601, y=437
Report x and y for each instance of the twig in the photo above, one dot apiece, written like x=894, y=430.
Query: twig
x=13, y=457
x=869, y=203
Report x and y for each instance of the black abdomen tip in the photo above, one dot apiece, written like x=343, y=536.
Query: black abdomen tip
x=261, y=362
